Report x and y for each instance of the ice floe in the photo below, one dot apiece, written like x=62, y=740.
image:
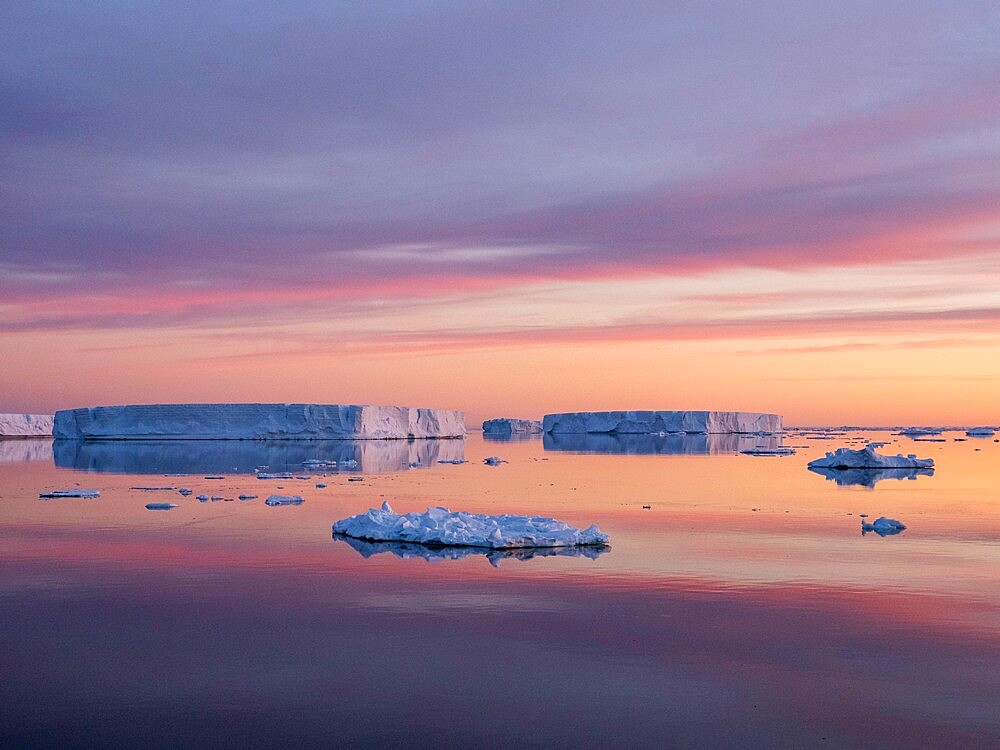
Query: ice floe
x=53, y=494
x=441, y=527
x=867, y=458
x=759, y=451
x=493, y=461
x=160, y=506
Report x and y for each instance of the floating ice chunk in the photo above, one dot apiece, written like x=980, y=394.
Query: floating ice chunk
x=185, y=491
x=202, y=498
x=153, y=489
x=320, y=485
x=981, y=432
x=284, y=500
x=274, y=475
x=493, y=461
x=455, y=461
x=919, y=431
x=441, y=527
x=160, y=506
x=248, y=497
x=769, y=452
x=867, y=458
x=883, y=526
x=68, y=493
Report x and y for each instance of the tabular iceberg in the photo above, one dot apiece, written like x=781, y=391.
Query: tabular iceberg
x=981, y=432
x=441, y=527
x=25, y=425
x=508, y=426
x=662, y=421
x=867, y=458
x=257, y=422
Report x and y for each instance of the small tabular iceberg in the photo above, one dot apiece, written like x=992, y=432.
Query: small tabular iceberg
x=867, y=458
x=662, y=421
x=761, y=451
x=505, y=426
x=442, y=528
x=25, y=425
x=919, y=431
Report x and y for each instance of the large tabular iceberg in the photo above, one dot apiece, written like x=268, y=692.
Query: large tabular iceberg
x=867, y=458
x=25, y=425
x=441, y=527
x=257, y=422
x=661, y=421
x=508, y=426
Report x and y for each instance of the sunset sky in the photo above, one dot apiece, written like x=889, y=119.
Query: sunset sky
x=510, y=208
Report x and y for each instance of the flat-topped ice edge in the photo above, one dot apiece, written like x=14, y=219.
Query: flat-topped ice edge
x=621, y=422
x=441, y=527
x=867, y=458
x=25, y=425
x=257, y=422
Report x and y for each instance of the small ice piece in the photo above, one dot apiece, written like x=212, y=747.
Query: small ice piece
x=153, y=489
x=185, y=491
x=68, y=493
x=493, y=461
x=215, y=476
x=284, y=500
x=350, y=463
x=441, y=527
x=274, y=475
x=320, y=485
x=302, y=476
x=867, y=458
x=414, y=464
x=981, y=432
x=355, y=479
x=203, y=498
x=883, y=526
x=160, y=506
x=248, y=497
x=455, y=461
x=764, y=451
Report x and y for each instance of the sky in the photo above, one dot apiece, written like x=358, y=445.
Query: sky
x=511, y=208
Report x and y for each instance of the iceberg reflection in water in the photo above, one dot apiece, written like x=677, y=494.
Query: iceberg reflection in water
x=668, y=444
x=16, y=450
x=436, y=553
x=868, y=477
x=246, y=456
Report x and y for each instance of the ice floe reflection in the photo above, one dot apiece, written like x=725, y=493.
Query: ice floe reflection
x=437, y=553
x=656, y=443
x=247, y=456
x=868, y=477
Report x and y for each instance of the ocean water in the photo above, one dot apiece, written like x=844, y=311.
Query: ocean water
x=743, y=608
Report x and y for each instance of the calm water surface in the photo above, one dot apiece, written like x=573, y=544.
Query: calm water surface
x=744, y=608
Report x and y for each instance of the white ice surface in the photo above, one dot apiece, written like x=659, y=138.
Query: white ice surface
x=867, y=458
x=25, y=425
x=257, y=422
x=662, y=421
x=509, y=426
x=440, y=526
